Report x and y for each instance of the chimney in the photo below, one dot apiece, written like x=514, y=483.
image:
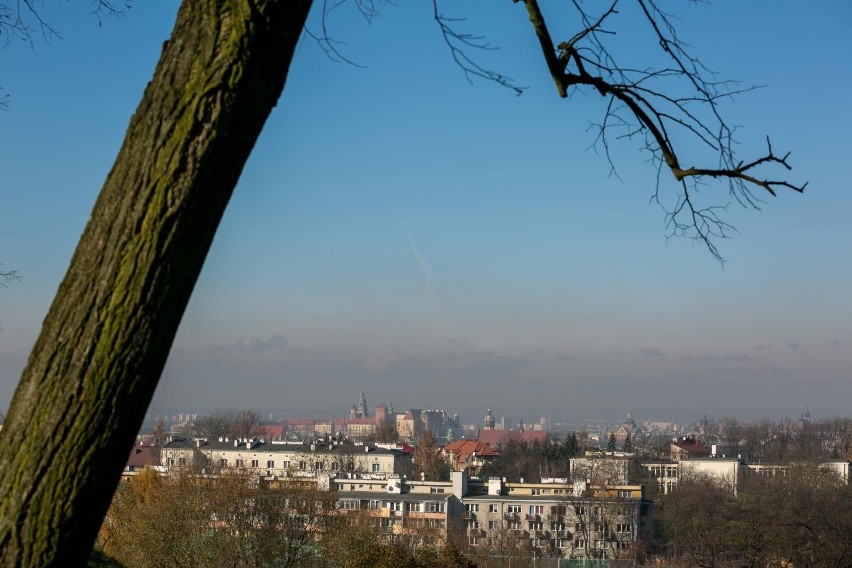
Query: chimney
x=236, y=442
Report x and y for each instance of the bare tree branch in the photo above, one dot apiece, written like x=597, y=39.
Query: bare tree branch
x=460, y=42
x=367, y=8
x=659, y=105
x=21, y=19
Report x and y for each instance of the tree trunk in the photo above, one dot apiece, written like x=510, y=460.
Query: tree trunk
x=103, y=344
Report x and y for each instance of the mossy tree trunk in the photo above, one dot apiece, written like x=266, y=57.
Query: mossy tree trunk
x=103, y=344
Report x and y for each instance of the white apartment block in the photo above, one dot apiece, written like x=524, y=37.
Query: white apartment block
x=283, y=459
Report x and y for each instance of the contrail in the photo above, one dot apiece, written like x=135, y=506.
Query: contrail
x=430, y=277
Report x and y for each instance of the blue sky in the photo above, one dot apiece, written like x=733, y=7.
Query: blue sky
x=445, y=244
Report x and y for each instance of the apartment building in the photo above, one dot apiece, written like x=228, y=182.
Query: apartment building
x=557, y=517
x=284, y=459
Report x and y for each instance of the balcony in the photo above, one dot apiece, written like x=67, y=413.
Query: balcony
x=468, y=515
x=511, y=516
x=535, y=518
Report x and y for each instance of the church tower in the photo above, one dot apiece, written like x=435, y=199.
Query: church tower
x=488, y=421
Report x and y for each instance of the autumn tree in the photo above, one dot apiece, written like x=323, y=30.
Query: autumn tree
x=94, y=368
x=230, y=519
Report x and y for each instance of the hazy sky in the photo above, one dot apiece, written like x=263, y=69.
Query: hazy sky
x=442, y=244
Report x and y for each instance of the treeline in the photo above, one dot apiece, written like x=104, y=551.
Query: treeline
x=532, y=461
x=783, y=440
x=800, y=517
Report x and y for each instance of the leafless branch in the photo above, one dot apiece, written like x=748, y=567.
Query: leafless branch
x=332, y=47
x=460, y=44
x=21, y=19
x=662, y=104
x=7, y=276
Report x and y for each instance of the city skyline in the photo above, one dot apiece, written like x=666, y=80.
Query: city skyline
x=401, y=231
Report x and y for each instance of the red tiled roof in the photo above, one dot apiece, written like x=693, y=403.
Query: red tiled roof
x=273, y=430
x=368, y=420
x=463, y=449
x=140, y=456
x=299, y=422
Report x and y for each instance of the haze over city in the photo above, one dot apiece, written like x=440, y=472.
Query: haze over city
x=451, y=245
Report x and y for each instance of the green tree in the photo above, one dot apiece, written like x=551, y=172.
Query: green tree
x=106, y=337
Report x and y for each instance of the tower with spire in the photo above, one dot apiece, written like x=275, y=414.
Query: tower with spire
x=488, y=421
x=361, y=408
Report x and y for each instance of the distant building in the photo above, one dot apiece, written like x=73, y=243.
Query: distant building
x=283, y=459
x=497, y=438
x=488, y=421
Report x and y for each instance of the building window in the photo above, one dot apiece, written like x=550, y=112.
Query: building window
x=625, y=493
x=624, y=528
x=536, y=491
x=318, y=466
x=435, y=507
x=471, y=507
x=515, y=525
x=492, y=525
x=270, y=464
x=412, y=506
x=223, y=462
x=181, y=462
x=473, y=524
x=536, y=525
x=513, y=509
x=286, y=464
x=536, y=509
x=255, y=463
x=492, y=508
x=302, y=465
x=239, y=463
x=436, y=489
x=375, y=468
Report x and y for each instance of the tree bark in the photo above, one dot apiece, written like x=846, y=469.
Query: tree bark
x=103, y=344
